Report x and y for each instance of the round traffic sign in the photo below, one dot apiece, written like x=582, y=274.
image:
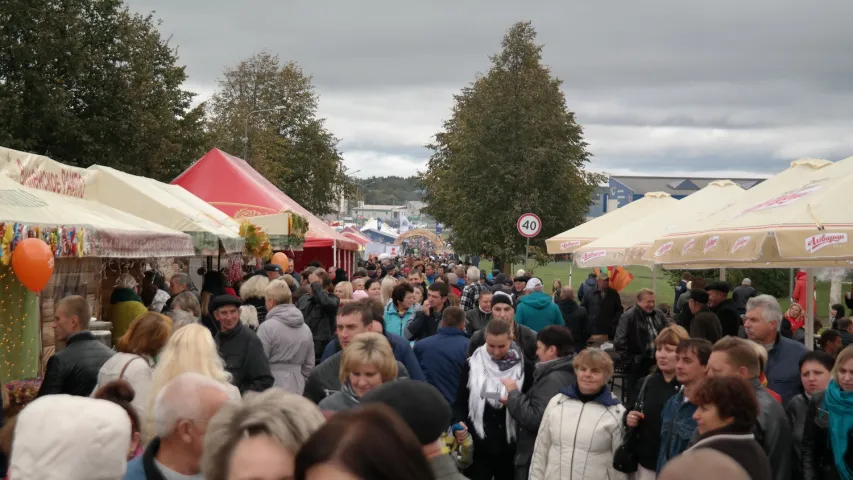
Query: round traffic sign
x=529, y=225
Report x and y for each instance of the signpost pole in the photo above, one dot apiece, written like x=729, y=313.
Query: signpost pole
x=526, y=253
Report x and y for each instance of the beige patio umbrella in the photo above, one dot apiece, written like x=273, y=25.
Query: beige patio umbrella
x=571, y=240
x=792, y=219
x=626, y=245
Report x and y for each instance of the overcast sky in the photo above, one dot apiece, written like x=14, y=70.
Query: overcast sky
x=661, y=87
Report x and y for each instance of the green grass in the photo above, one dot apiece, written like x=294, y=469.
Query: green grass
x=643, y=279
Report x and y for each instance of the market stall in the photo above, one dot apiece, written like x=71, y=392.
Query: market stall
x=233, y=186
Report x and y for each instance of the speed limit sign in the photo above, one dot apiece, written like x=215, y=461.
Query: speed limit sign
x=529, y=225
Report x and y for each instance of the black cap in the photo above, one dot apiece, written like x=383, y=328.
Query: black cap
x=419, y=404
x=502, y=297
x=224, y=300
x=698, y=295
x=719, y=286
x=520, y=279
x=272, y=267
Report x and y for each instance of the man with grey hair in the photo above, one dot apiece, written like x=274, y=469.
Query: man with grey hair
x=473, y=290
x=180, y=282
x=181, y=413
x=181, y=318
x=762, y=323
x=742, y=294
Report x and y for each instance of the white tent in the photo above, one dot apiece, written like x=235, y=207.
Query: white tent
x=84, y=228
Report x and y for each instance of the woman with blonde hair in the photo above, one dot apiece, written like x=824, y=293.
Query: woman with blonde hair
x=388, y=284
x=138, y=350
x=358, y=284
x=584, y=446
x=253, y=293
x=367, y=362
x=343, y=290
x=191, y=349
x=259, y=437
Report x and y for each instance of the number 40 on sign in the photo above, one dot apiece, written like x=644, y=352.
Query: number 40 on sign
x=529, y=225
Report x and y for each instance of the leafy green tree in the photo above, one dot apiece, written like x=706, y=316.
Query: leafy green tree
x=287, y=142
x=88, y=82
x=510, y=147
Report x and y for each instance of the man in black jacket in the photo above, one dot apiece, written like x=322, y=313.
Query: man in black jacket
x=240, y=348
x=319, y=309
x=604, y=306
x=502, y=307
x=635, y=337
x=724, y=308
x=735, y=357
x=553, y=372
x=425, y=323
x=74, y=370
x=575, y=317
x=704, y=323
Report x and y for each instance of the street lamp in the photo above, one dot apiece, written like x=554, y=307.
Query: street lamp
x=246, y=128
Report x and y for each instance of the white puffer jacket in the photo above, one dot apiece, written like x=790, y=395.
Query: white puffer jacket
x=577, y=440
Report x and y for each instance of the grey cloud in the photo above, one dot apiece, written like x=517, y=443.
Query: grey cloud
x=725, y=85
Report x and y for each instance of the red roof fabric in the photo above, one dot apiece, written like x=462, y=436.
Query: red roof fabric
x=354, y=234
x=233, y=186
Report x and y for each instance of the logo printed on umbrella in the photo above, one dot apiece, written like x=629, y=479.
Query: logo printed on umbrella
x=784, y=199
x=592, y=255
x=569, y=244
x=711, y=243
x=688, y=246
x=817, y=242
x=664, y=249
x=740, y=243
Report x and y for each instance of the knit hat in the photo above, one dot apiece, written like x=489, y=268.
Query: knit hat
x=698, y=295
x=502, y=297
x=70, y=438
x=419, y=404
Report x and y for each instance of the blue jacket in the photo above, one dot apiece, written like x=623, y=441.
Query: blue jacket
x=677, y=427
x=143, y=466
x=394, y=323
x=402, y=353
x=536, y=311
x=442, y=357
x=783, y=368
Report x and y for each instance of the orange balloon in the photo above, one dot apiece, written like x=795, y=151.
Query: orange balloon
x=280, y=259
x=32, y=262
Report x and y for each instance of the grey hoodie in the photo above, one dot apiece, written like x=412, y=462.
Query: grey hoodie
x=289, y=347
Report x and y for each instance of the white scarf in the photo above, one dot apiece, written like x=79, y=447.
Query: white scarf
x=485, y=376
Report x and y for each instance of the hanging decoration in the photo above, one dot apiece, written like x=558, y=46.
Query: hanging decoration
x=257, y=240
x=32, y=262
x=62, y=241
x=298, y=227
x=235, y=268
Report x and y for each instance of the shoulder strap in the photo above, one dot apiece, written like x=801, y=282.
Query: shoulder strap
x=137, y=357
x=642, y=394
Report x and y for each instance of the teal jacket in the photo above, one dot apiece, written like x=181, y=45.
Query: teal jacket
x=536, y=311
x=394, y=323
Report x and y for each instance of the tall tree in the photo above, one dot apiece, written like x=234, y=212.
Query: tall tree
x=87, y=82
x=287, y=143
x=510, y=147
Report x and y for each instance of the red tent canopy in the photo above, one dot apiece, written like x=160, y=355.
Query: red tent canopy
x=231, y=185
x=354, y=234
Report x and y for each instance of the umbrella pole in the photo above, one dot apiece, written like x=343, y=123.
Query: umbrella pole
x=723, y=274
x=571, y=267
x=655, y=278
x=809, y=296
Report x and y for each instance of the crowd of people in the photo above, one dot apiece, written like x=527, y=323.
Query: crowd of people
x=428, y=368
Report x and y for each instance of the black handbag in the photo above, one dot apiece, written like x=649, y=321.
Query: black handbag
x=625, y=457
